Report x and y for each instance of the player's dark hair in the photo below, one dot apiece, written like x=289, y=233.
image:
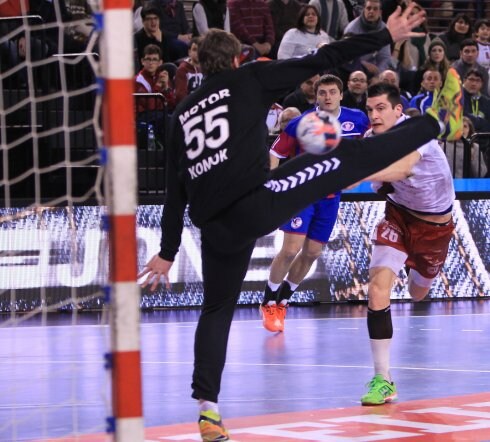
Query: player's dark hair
x=391, y=91
x=217, y=51
x=329, y=79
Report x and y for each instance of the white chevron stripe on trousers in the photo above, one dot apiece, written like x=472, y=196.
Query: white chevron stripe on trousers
x=302, y=176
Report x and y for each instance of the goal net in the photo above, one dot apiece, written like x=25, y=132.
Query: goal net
x=63, y=348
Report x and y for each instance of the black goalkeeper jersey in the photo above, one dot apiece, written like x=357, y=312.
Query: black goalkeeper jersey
x=217, y=151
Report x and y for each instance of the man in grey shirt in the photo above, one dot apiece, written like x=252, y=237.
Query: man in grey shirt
x=370, y=20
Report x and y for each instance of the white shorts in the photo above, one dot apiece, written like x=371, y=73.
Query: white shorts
x=386, y=256
x=394, y=259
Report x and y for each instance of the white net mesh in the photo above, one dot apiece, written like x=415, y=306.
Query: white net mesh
x=53, y=241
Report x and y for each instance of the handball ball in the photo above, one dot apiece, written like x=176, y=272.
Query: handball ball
x=318, y=132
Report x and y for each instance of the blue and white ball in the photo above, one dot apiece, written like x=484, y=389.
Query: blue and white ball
x=318, y=132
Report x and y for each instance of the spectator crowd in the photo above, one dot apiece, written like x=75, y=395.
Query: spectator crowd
x=166, y=41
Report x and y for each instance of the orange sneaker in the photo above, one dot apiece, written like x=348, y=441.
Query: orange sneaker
x=269, y=317
x=281, y=311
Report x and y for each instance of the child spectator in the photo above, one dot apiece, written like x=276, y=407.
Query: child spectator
x=152, y=79
x=150, y=110
x=482, y=37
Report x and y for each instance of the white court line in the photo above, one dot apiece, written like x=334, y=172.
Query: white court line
x=471, y=330
x=246, y=321
x=250, y=364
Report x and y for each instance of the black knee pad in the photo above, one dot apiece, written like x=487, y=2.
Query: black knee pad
x=379, y=323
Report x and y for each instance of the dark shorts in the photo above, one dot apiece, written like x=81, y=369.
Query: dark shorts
x=426, y=244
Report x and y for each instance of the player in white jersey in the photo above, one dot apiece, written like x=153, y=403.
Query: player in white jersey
x=415, y=231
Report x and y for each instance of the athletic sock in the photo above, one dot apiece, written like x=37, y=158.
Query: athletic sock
x=270, y=294
x=380, y=349
x=293, y=285
x=208, y=405
x=380, y=329
x=285, y=292
x=273, y=286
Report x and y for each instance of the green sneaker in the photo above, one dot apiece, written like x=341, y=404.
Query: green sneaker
x=447, y=107
x=211, y=427
x=380, y=392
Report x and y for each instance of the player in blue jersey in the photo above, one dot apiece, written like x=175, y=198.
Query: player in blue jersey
x=306, y=233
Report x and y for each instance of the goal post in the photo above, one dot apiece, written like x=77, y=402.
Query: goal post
x=121, y=197
x=68, y=200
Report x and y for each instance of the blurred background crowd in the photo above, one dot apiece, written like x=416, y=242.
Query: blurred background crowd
x=167, y=35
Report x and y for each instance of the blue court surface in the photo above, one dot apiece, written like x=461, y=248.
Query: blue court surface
x=55, y=381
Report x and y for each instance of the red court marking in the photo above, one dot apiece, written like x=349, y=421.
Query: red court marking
x=459, y=418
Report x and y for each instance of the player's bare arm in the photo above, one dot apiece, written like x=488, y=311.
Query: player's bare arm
x=397, y=171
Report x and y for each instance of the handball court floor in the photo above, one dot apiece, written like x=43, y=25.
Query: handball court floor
x=300, y=385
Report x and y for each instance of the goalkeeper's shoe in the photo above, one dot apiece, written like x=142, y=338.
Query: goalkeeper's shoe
x=211, y=427
x=380, y=392
x=447, y=107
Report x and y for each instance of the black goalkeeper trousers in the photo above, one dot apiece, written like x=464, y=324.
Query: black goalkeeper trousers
x=227, y=240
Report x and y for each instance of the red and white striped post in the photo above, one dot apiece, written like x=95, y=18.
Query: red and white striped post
x=121, y=197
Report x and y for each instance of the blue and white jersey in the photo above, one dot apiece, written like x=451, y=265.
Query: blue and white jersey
x=354, y=122
x=422, y=101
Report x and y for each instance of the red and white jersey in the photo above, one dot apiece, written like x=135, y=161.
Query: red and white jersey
x=429, y=190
